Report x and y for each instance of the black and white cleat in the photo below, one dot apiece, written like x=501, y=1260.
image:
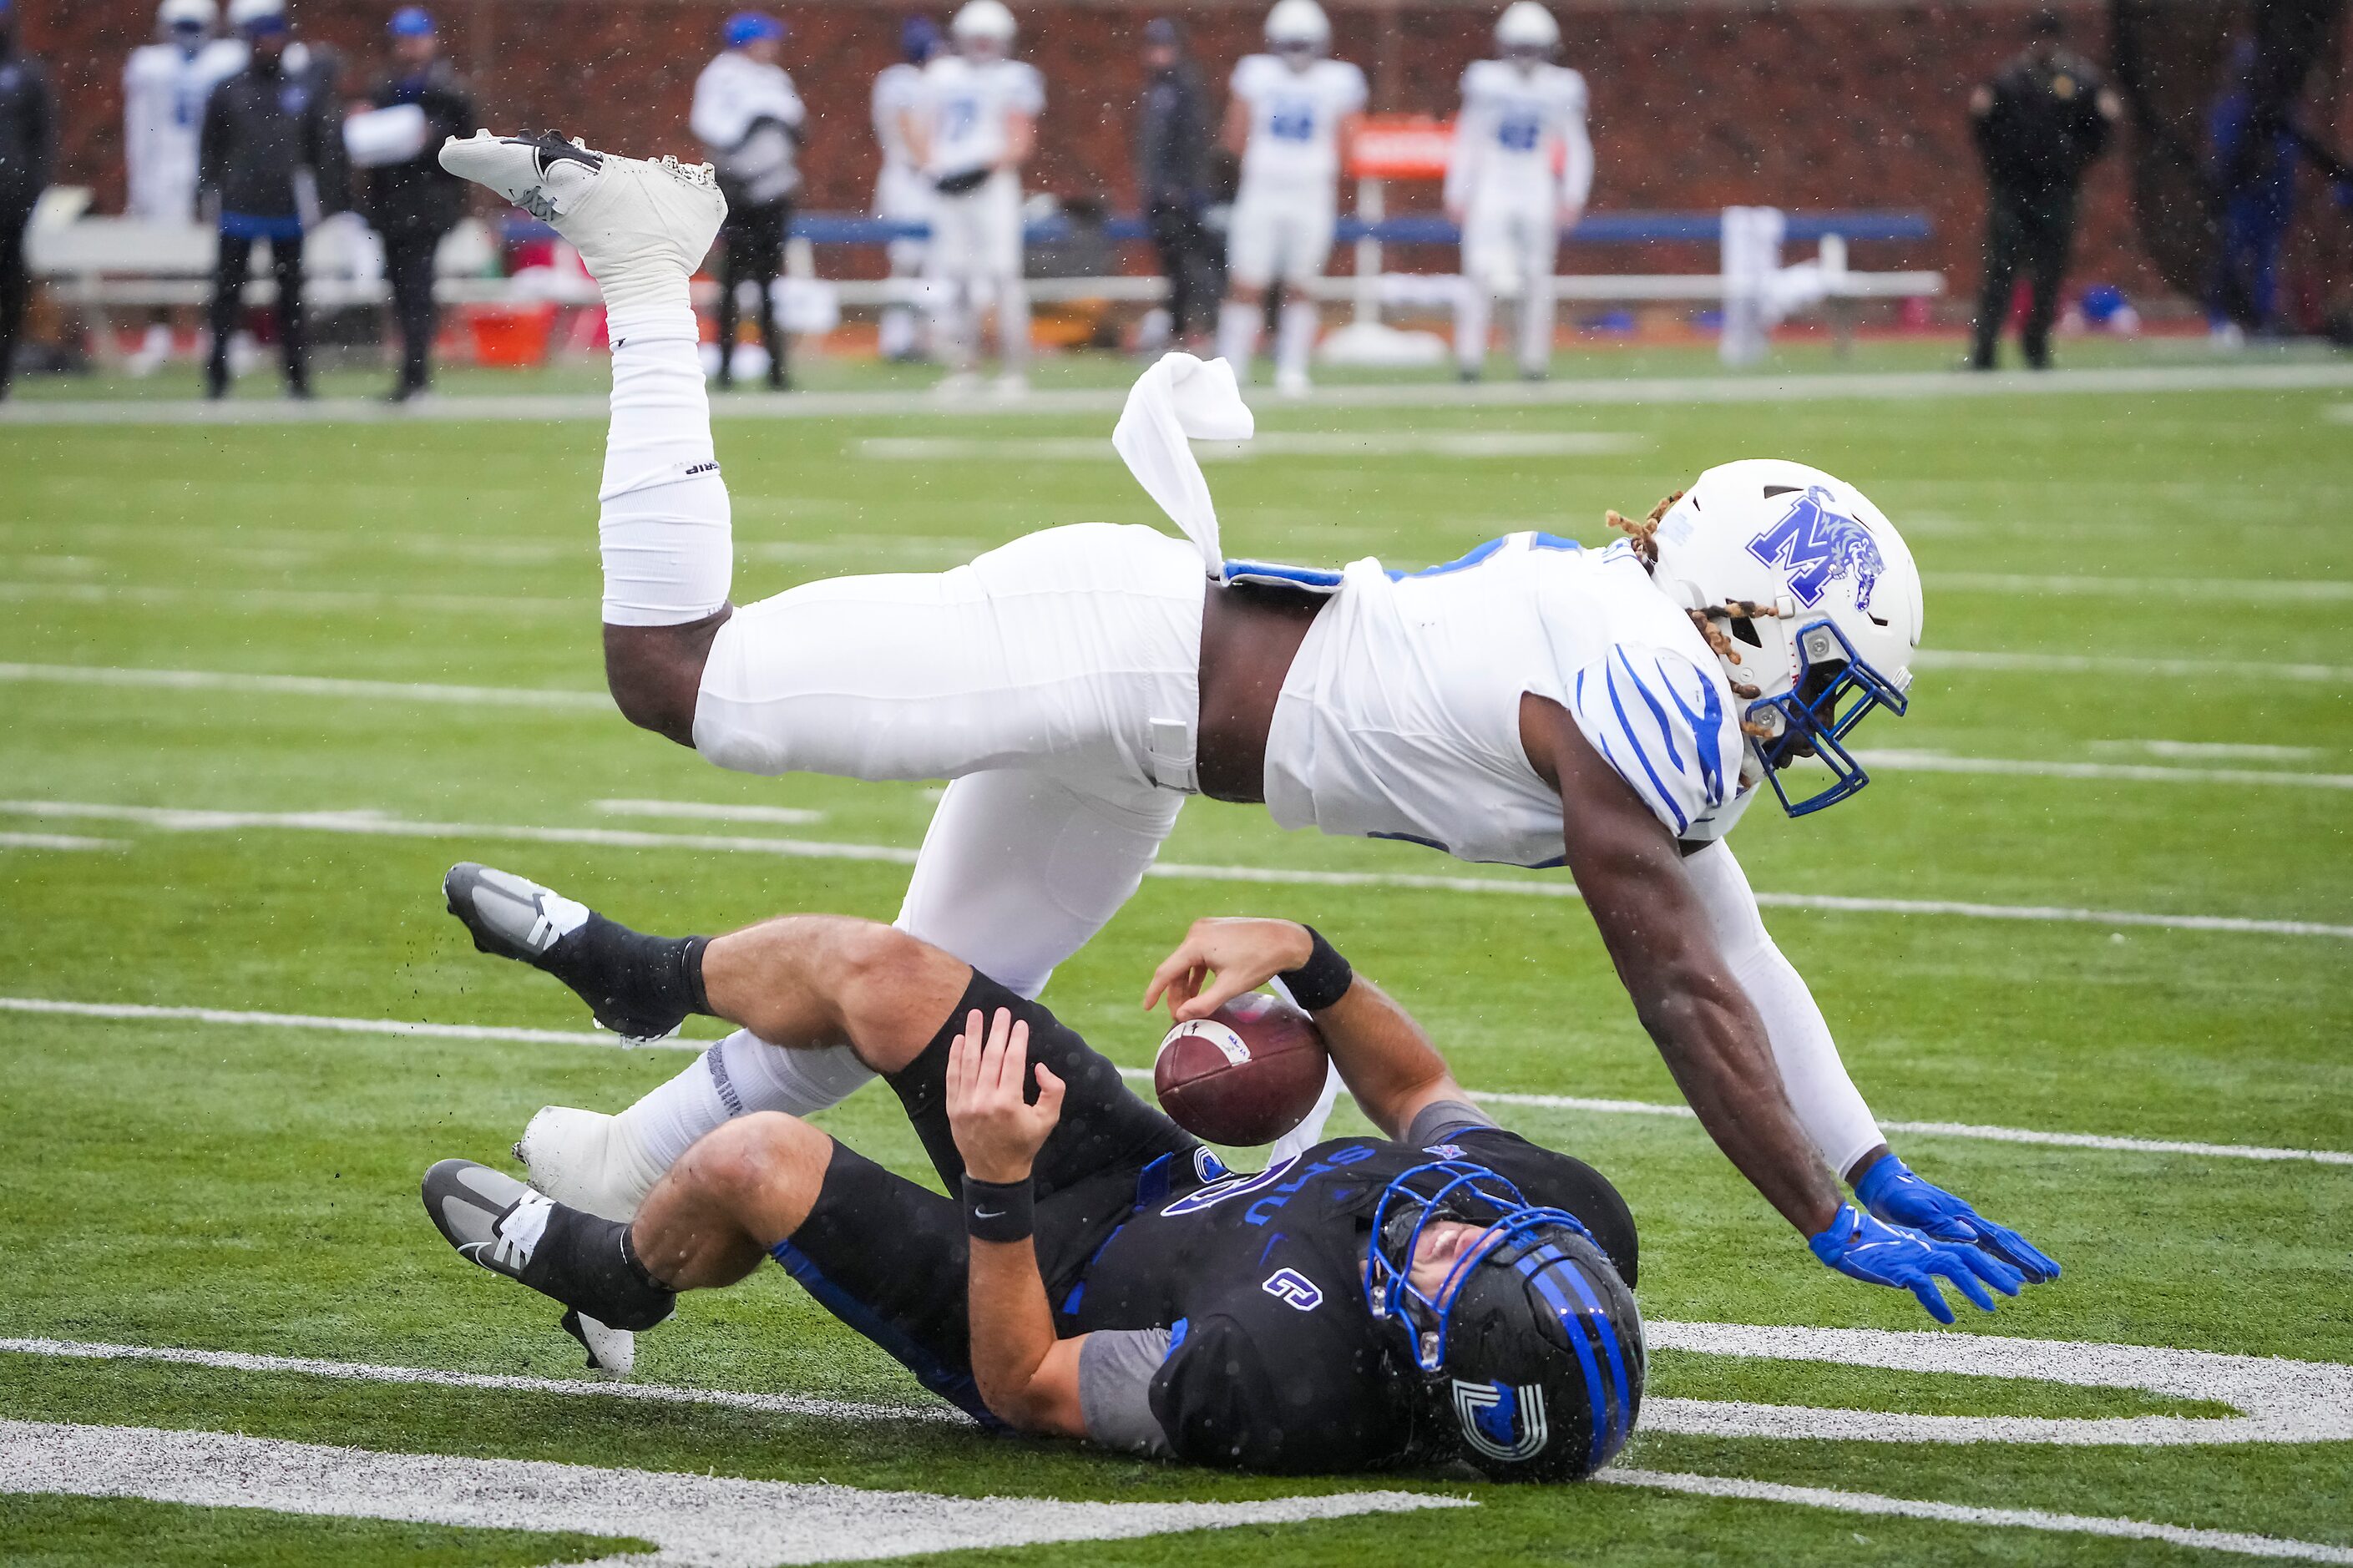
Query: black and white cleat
x=489, y=1217
x=512, y=917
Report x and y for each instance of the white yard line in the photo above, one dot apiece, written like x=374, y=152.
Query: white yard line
x=147, y=1012
x=704, y=811
x=375, y=823
x=2210, y=751
x=58, y=841
x=325, y=601
x=2137, y=773
x=2130, y=666
x=1357, y=445
x=307, y=686
x=1733, y=1489
x=1768, y=387
x=693, y=1520
x=2206, y=589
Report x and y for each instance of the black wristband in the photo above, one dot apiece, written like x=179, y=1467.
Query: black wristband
x=1323, y=980
x=996, y=1211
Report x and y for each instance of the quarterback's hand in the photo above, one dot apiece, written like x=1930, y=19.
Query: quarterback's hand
x=1893, y=1194
x=997, y=1130
x=1242, y=953
x=1861, y=1248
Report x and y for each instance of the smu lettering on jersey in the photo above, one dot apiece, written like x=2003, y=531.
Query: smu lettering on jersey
x=967, y=105
x=1400, y=715
x=1522, y=137
x=1294, y=118
x=1273, y=1361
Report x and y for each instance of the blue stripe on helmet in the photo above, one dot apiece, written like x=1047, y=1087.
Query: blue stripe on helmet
x=1608, y=1335
x=1534, y=1268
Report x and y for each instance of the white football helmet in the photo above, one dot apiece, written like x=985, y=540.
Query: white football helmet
x=1525, y=28
x=1298, y=27
x=1819, y=597
x=192, y=16
x=983, y=22
x=241, y=12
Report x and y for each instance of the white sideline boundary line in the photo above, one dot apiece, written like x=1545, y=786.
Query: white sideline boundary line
x=56, y=1449
x=1733, y=1489
x=693, y=1520
x=2137, y=772
x=375, y=823
x=240, y=1018
x=1855, y=385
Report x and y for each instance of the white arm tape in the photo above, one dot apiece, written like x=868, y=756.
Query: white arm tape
x=1829, y=1106
x=1177, y=398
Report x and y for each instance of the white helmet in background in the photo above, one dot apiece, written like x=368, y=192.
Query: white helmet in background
x=1818, y=596
x=241, y=12
x=1526, y=28
x=1298, y=27
x=186, y=16
x=986, y=22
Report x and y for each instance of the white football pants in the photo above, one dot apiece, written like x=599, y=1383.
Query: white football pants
x=1507, y=249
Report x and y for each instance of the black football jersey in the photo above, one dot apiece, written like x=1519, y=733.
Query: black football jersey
x=1275, y=1363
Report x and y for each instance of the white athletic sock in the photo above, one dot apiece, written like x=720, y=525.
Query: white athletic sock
x=1296, y=334
x=1471, y=325
x=1238, y=336
x=667, y=532
x=740, y=1075
x=1537, y=322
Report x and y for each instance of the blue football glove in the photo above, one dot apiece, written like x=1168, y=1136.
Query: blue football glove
x=1861, y=1248
x=1893, y=1194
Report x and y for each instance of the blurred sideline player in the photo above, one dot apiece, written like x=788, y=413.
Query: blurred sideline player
x=1445, y=1291
x=28, y=152
x=1533, y=703
x=164, y=85
x=979, y=125
x=901, y=194
x=413, y=203
x=747, y=115
x=1519, y=174
x=1291, y=115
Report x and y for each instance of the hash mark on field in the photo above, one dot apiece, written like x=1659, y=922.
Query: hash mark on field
x=59, y=841
x=305, y=686
x=375, y=823
x=695, y=1521
x=2128, y=665
x=784, y=815
x=2246, y=590
x=146, y=1013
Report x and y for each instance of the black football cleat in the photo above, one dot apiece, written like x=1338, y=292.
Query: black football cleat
x=512, y=917
x=489, y=1217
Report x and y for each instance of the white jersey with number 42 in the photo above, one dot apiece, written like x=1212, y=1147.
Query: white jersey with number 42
x=1400, y=715
x=1295, y=118
x=1522, y=137
x=968, y=106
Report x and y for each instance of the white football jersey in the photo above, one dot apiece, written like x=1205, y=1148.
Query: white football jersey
x=1522, y=136
x=734, y=91
x=163, y=94
x=967, y=107
x=1295, y=118
x=1401, y=716
x=898, y=92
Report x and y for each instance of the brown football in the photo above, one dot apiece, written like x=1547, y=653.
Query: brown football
x=1247, y=1074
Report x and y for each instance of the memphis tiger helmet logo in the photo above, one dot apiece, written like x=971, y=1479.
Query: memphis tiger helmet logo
x=1815, y=544
x=1504, y=1421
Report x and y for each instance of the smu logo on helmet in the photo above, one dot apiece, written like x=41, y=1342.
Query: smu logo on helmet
x=1502, y=1421
x=1814, y=544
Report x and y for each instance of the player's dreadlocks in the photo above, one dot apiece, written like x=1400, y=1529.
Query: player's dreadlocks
x=1645, y=535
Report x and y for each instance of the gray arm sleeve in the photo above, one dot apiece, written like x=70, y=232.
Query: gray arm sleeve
x=1116, y=1370
x=1433, y=1122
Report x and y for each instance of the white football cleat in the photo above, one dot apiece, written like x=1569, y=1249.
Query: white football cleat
x=1012, y=383
x=642, y=227
x=1293, y=384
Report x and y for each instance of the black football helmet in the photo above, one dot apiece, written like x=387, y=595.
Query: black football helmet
x=1532, y=1353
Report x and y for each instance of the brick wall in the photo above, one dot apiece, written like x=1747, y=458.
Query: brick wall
x=1802, y=105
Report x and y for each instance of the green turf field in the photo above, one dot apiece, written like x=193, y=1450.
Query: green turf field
x=203, y=840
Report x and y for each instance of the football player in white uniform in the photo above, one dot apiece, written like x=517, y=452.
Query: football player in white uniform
x=978, y=126
x=1291, y=115
x=1520, y=172
x=1537, y=703
x=901, y=194
x=164, y=85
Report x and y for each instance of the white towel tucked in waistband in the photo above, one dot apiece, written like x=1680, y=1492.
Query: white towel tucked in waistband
x=1182, y=397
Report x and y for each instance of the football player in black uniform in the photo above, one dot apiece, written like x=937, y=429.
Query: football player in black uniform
x=1447, y=1292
